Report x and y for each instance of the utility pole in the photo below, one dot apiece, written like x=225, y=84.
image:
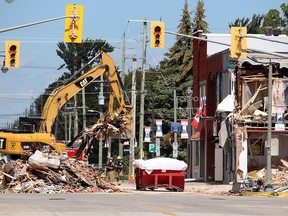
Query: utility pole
x=120, y=148
x=133, y=101
x=83, y=105
x=75, y=117
x=101, y=103
x=141, y=123
x=175, y=144
x=123, y=58
x=189, y=143
x=268, y=148
x=65, y=117
x=70, y=125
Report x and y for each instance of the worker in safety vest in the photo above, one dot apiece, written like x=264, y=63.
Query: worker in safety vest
x=119, y=170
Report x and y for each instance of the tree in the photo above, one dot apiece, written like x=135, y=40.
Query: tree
x=258, y=22
x=272, y=18
x=199, y=23
x=175, y=74
x=75, y=55
x=253, y=26
x=284, y=8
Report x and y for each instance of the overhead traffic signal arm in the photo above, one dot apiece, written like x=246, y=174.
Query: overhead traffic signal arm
x=73, y=24
x=12, y=54
x=157, y=35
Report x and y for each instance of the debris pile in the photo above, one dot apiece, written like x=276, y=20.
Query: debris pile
x=50, y=174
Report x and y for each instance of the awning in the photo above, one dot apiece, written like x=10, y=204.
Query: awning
x=227, y=105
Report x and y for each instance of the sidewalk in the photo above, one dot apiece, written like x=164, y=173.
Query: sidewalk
x=209, y=188
x=191, y=187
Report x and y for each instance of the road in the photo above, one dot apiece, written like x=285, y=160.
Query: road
x=140, y=203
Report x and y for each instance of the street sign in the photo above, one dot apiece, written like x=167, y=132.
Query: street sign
x=175, y=127
x=152, y=147
x=126, y=150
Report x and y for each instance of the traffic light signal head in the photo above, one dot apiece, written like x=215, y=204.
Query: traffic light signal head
x=12, y=54
x=73, y=24
x=157, y=35
x=238, y=47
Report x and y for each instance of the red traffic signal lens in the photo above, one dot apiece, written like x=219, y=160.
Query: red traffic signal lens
x=157, y=29
x=12, y=48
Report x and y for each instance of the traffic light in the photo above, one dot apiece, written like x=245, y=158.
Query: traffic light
x=238, y=47
x=157, y=35
x=12, y=54
x=73, y=25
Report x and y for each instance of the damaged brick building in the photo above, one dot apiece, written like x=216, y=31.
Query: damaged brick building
x=234, y=139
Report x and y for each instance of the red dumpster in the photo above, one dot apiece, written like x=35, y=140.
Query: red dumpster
x=71, y=153
x=160, y=172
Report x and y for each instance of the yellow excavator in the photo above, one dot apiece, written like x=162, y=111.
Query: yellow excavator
x=115, y=123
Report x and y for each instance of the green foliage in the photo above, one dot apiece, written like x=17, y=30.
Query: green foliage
x=198, y=22
x=253, y=25
x=273, y=18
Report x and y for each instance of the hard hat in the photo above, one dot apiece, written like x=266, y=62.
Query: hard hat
x=118, y=158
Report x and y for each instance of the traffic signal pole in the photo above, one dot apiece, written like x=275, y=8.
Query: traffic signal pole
x=226, y=44
x=142, y=96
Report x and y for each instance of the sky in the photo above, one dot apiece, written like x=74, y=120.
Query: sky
x=107, y=20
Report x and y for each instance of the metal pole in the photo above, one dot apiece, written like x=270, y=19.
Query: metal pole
x=100, y=157
x=123, y=58
x=226, y=44
x=35, y=23
x=268, y=147
x=83, y=105
x=175, y=146
x=76, y=116
x=189, y=146
x=141, y=123
x=133, y=101
x=101, y=103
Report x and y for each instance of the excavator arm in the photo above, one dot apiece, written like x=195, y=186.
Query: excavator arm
x=118, y=109
x=62, y=94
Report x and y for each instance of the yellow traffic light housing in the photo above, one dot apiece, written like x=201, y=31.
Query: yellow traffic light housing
x=238, y=47
x=74, y=24
x=157, y=35
x=12, y=54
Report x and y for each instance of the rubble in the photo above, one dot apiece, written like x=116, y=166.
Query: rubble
x=46, y=174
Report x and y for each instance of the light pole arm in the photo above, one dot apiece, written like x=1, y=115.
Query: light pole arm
x=35, y=23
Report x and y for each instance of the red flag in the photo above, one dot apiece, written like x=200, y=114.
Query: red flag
x=196, y=119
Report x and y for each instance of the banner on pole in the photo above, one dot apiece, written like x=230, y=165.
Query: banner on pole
x=184, y=126
x=159, y=128
x=147, y=134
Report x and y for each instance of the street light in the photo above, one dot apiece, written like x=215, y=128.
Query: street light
x=3, y=68
x=95, y=111
x=9, y=1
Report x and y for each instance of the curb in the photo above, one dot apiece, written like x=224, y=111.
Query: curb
x=267, y=194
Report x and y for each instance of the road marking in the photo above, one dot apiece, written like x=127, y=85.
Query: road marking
x=163, y=211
